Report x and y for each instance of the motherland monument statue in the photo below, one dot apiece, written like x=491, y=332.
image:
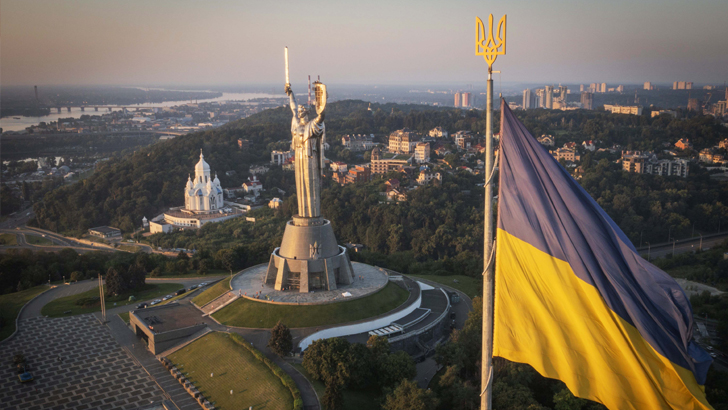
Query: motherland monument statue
x=309, y=257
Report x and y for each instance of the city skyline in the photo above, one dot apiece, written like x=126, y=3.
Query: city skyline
x=83, y=42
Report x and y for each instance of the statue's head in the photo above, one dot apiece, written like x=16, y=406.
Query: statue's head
x=303, y=113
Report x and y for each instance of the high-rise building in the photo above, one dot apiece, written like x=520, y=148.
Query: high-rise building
x=587, y=100
x=604, y=87
x=689, y=85
x=466, y=99
x=620, y=89
x=693, y=104
x=549, y=91
x=682, y=85
x=457, y=99
x=581, y=88
x=528, y=99
x=540, y=98
x=648, y=85
x=719, y=108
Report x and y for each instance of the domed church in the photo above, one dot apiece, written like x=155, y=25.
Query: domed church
x=203, y=194
x=203, y=204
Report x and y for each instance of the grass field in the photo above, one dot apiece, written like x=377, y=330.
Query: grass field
x=247, y=313
x=233, y=368
x=125, y=317
x=37, y=240
x=8, y=239
x=353, y=399
x=56, y=307
x=10, y=305
x=214, y=291
x=466, y=284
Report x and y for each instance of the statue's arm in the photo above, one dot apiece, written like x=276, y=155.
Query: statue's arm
x=292, y=99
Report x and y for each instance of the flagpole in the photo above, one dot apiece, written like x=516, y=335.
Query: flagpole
x=489, y=49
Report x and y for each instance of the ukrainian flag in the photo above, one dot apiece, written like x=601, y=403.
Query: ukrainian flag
x=575, y=300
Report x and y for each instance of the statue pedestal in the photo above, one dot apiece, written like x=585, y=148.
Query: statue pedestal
x=309, y=258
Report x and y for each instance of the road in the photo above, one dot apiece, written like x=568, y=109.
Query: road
x=682, y=246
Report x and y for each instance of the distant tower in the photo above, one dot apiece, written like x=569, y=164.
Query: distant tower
x=36, y=94
x=457, y=99
x=587, y=100
x=549, y=96
x=466, y=99
x=527, y=99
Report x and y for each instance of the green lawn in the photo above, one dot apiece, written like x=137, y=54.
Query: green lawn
x=466, y=284
x=10, y=305
x=234, y=368
x=247, y=313
x=125, y=317
x=38, y=240
x=8, y=239
x=353, y=399
x=56, y=307
x=214, y=291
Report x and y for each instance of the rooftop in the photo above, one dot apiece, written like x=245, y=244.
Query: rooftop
x=168, y=317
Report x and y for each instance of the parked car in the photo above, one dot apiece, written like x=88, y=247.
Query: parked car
x=181, y=291
x=192, y=287
x=167, y=297
x=142, y=305
x=154, y=302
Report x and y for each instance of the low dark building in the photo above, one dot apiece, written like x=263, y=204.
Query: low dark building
x=163, y=327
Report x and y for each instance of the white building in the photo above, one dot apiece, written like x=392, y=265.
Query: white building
x=339, y=166
x=422, y=152
x=426, y=176
x=252, y=186
x=203, y=194
x=623, y=109
x=279, y=157
x=438, y=132
x=358, y=142
x=589, y=145
x=275, y=203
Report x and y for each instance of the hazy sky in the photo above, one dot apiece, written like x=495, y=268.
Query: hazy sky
x=147, y=42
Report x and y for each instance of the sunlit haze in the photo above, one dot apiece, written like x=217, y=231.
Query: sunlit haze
x=352, y=42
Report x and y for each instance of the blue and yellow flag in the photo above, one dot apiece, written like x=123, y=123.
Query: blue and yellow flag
x=575, y=300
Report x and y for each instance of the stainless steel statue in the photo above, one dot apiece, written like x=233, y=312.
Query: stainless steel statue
x=308, y=142
x=309, y=258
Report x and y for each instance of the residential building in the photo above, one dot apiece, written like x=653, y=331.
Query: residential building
x=457, y=99
x=668, y=167
x=719, y=109
x=438, y=132
x=649, y=86
x=549, y=97
x=567, y=154
x=634, y=161
x=620, y=89
x=275, y=203
x=426, y=176
x=258, y=169
x=280, y=157
x=467, y=99
x=359, y=173
x=463, y=139
x=546, y=140
x=381, y=163
x=391, y=184
x=540, y=98
x=587, y=100
x=683, y=143
x=253, y=186
x=682, y=85
x=243, y=144
x=339, y=166
x=528, y=99
x=604, y=87
x=723, y=144
x=589, y=145
x=422, y=152
x=403, y=141
x=358, y=142
x=623, y=109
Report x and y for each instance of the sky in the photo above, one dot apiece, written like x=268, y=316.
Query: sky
x=217, y=42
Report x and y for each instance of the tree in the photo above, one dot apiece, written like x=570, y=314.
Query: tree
x=407, y=396
x=115, y=283
x=226, y=259
x=281, y=341
x=76, y=276
x=182, y=255
x=395, y=367
x=326, y=359
x=137, y=276
x=333, y=398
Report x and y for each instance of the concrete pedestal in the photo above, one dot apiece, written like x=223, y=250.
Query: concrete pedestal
x=309, y=258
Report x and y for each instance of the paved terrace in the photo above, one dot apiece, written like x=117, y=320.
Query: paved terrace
x=367, y=279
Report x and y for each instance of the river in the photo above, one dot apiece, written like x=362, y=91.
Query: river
x=21, y=123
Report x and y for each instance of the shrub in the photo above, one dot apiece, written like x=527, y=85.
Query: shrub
x=88, y=302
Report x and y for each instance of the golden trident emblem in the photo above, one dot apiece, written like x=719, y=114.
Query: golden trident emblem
x=488, y=48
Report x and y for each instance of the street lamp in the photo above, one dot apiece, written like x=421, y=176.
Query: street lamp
x=701, y=242
x=673, y=246
x=648, y=251
x=669, y=231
